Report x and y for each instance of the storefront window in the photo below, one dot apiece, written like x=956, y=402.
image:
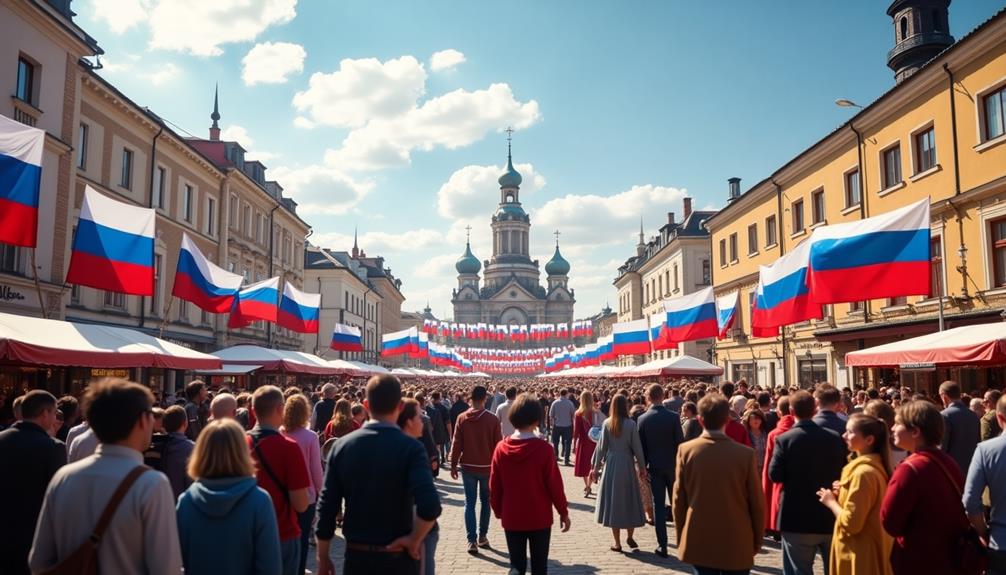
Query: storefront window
x=812, y=371
x=741, y=371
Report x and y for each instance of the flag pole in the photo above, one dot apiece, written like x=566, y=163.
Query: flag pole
x=38, y=285
x=164, y=321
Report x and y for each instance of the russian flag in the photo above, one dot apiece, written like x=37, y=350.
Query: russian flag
x=113, y=248
x=606, y=348
x=299, y=311
x=631, y=337
x=20, y=179
x=691, y=316
x=398, y=342
x=726, y=311
x=346, y=338
x=757, y=330
x=255, y=302
x=879, y=257
x=658, y=332
x=203, y=283
x=420, y=343
x=785, y=298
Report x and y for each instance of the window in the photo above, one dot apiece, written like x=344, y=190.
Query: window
x=812, y=371
x=211, y=214
x=852, y=195
x=187, y=203
x=999, y=253
x=246, y=219
x=232, y=215
x=936, y=266
x=160, y=180
x=770, y=231
x=925, y=150
x=995, y=118
x=25, y=89
x=894, y=301
x=817, y=207
x=890, y=161
x=126, y=177
x=11, y=259
x=155, y=300
x=257, y=229
x=723, y=252
x=183, y=311
x=707, y=277
x=660, y=286
x=646, y=293
x=855, y=306
x=82, y=146
x=667, y=279
x=753, y=239
x=733, y=247
x=676, y=279
x=115, y=300
x=797, y=210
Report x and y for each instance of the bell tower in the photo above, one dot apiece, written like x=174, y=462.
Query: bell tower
x=921, y=31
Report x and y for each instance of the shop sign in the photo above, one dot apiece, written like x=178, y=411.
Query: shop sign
x=918, y=367
x=7, y=293
x=104, y=372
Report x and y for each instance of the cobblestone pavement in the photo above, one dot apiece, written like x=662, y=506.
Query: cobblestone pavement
x=581, y=551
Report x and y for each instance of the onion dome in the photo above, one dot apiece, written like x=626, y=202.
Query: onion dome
x=557, y=266
x=511, y=178
x=468, y=263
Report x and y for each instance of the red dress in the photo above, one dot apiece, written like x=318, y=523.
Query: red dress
x=773, y=491
x=584, y=446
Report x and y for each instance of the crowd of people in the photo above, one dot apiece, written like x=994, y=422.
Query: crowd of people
x=884, y=481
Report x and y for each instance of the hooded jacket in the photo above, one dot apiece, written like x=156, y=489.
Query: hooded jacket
x=475, y=437
x=228, y=513
x=524, y=484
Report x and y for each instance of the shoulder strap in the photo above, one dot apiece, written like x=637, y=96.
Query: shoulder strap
x=113, y=503
x=255, y=437
x=949, y=476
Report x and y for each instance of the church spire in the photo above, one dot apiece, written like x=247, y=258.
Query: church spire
x=215, y=116
x=356, y=247
x=641, y=246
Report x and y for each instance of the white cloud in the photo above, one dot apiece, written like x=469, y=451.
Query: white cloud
x=321, y=190
x=262, y=156
x=120, y=15
x=446, y=60
x=362, y=90
x=162, y=75
x=272, y=63
x=236, y=133
x=474, y=190
x=303, y=123
x=200, y=27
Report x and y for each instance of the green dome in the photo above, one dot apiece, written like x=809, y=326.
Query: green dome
x=557, y=266
x=511, y=178
x=468, y=263
x=512, y=210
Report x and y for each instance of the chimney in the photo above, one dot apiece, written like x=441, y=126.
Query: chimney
x=735, y=189
x=688, y=207
x=670, y=218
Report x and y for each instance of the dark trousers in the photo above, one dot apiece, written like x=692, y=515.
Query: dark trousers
x=713, y=571
x=517, y=543
x=306, y=521
x=565, y=435
x=661, y=482
x=379, y=563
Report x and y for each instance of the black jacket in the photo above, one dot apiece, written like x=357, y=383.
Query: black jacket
x=660, y=433
x=806, y=458
x=323, y=414
x=30, y=458
x=830, y=420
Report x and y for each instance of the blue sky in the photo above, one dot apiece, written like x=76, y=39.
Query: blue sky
x=621, y=108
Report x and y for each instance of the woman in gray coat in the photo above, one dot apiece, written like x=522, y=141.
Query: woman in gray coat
x=619, y=505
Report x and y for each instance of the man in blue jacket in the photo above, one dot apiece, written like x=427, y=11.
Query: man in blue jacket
x=660, y=433
x=962, y=426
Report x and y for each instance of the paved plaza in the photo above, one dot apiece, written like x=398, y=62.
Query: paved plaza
x=581, y=551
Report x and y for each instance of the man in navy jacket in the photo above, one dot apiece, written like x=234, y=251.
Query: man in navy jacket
x=660, y=433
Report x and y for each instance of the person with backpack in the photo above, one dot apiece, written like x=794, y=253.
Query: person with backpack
x=281, y=471
x=111, y=495
x=173, y=450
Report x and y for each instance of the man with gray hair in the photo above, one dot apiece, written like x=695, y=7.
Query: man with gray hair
x=322, y=412
x=223, y=406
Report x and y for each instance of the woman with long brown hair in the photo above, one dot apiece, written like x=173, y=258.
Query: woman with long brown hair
x=586, y=417
x=342, y=422
x=619, y=504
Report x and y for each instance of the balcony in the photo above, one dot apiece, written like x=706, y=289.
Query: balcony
x=933, y=38
x=25, y=112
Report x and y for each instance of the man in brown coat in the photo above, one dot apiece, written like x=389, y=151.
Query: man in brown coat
x=719, y=508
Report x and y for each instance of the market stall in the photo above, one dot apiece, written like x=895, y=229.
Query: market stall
x=282, y=367
x=681, y=365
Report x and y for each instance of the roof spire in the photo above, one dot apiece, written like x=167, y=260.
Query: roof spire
x=215, y=116
x=356, y=248
x=556, y=233
x=509, y=133
x=641, y=242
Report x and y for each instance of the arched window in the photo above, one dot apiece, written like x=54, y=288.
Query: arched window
x=509, y=198
x=937, y=27
x=904, y=27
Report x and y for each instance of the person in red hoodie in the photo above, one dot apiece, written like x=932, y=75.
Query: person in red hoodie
x=524, y=485
x=734, y=429
x=773, y=491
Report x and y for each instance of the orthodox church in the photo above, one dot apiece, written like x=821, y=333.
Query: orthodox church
x=510, y=291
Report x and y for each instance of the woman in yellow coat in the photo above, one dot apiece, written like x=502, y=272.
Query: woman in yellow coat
x=859, y=545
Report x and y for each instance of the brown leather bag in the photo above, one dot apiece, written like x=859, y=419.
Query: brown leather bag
x=84, y=561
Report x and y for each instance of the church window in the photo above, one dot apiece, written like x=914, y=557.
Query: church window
x=513, y=293
x=904, y=27
x=509, y=198
x=505, y=247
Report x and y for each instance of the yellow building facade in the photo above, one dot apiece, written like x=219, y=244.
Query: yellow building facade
x=938, y=134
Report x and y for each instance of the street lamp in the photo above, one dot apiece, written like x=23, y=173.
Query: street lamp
x=844, y=103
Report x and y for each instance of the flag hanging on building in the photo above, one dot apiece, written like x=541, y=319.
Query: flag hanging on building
x=399, y=342
x=346, y=338
x=113, y=248
x=255, y=302
x=879, y=257
x=21, y=149
x=756, y=317
x=726, y=311
x=691, y=317
x=203, y=283
x=785, y=298
x=658, y=332
x=631, y=337
x=299, y=311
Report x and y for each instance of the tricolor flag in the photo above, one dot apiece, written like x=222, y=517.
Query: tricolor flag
x=726, y=311
x=299, y=311
x=255, y=302
x=691, y=316
x=658, y=332
x=202, y=282
x=113, y=248
x=398, y=342
x=879, y=257
x=757, y=330
x=606, y=348
x=346, y=338
x=785, y=298
x=20, y=178
x=631, y=337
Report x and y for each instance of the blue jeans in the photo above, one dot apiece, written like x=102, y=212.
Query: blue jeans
x=306, y=520
x=428, y=565
x=712, y=571
x=476, y=485
x=289, y=550
x=799, y=549
x=660, y=483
